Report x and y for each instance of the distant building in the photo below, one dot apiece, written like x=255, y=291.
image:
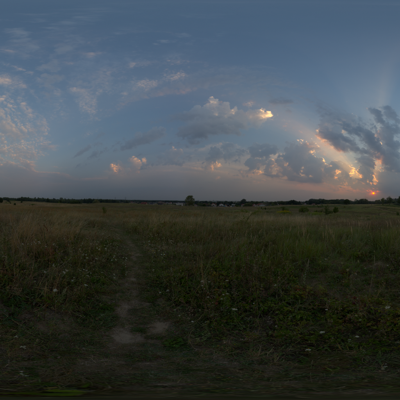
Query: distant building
x=179, y=204
x=213, y=205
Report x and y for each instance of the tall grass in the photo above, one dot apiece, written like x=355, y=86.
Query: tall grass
x=57, y=258
x=313, y=281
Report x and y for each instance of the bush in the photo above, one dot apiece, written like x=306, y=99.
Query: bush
x=303, y=209
x=335, y=210
x=327, y=210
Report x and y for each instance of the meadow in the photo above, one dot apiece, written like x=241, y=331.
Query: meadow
x=299, y=291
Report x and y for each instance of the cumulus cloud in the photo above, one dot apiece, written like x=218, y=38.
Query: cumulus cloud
x=259, y=156
x=227, y=152
x=144, y=138
x=137, y=163
x=299, y=162
x=280, y=101
x=215, y=118
x=368, y=142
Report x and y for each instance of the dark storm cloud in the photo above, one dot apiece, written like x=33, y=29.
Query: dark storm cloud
x=144, y=138
x=281, y=101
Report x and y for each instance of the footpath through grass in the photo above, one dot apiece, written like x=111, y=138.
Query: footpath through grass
x=272, y=299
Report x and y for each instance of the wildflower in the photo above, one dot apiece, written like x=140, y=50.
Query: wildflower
x=308, y=349
x=22, y=347
x=55, y=290
x=234, y=309
x=357, y=336
x=322, y=332
x=387, y=307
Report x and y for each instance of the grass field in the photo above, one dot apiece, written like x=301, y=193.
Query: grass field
x=301, y=294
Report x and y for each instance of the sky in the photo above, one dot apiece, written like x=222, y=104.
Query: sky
x=223, y=100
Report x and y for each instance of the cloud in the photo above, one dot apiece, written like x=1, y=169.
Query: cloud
x=145, y=84
x=86, y=100
x=372, y=142
x=144, y=138
x=115, y=168
x=82, y=151
x=173, y=156
x=281, y=101
x=20, y=39
x=228, y=152
x=259, y=156
x=11, y=82
x=52, y=66
x=48, y=80
x=215, y=118
x=299, y=162
x=22, y=131
x=137, y=163
x=176, y=76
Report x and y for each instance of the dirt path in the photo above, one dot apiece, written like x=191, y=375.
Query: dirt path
x=146, y=351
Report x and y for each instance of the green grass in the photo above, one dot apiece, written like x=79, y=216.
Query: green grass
x=249, y=286
x=57, y=260
x=252, y=278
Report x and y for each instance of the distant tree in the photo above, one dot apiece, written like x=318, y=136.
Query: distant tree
x=382, y=200
x=189, y=201
x=389, y=200
x=347, y=201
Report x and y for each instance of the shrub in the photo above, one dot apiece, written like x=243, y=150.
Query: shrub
x=303, y=209
x=327, y=210
x=335, y=210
